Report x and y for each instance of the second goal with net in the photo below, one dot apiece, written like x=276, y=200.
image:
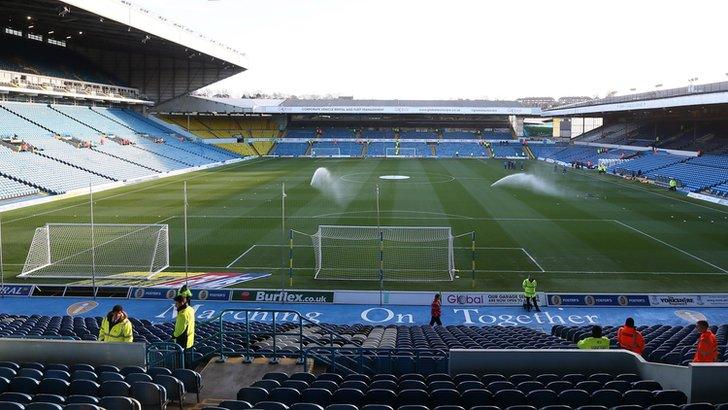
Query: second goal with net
x=389, y=253
x=67, y=250
x=326, y=152
x=400, y=152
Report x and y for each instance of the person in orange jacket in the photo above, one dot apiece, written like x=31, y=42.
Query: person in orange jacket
x=707, y=344
x=436, y=310
x=629, y=338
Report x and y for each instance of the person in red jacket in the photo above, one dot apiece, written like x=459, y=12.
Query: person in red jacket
x=707, y=344
x=629, y=338
x=436, y=310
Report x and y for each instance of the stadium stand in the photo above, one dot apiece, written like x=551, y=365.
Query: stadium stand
x=663, y=344
x=345, y=148
x=460, y=391
x=646, y=163
x=460, y=149
x=295, y=149
x=10, y=189
x=506, y=150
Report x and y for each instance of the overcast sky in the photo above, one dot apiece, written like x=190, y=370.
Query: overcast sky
x=451, y=49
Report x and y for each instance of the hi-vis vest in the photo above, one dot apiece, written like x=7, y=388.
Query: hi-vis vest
x=120, y=332
x=529, y=288
x=594, y=343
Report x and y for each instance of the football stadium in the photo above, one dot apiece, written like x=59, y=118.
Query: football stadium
x=162, y=246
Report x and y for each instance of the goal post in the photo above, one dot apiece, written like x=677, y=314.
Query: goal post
x=66, y=250
x=388, y=253
x=325, y=152
x=401, y=152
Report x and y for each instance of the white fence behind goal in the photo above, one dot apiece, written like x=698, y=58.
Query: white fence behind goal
x=417, y=254
x=66, y=251
x=401, y=152
x=326, y=152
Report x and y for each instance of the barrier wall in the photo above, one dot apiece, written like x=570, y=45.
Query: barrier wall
x=61, y=351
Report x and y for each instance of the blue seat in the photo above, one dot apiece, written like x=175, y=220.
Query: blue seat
x=529, y=386
x=305, y=406
x=303, y=376
x=114, y=388
x=132, y=369
x=10, y=365
x=444, y=397
x=21, y=398
x=412, y=385
x=49, y=398
x=650, y=385
x=417, y=397
x=84, y=375
x=43, y=406
x=476, y=397
x=341, y=407
x=384, y=384
x=191, y=379
x=601, y=377
x=7, y=405
x=81, y=366
x=348, y=396
x=84, y=387
x=151, y=396
x=699, y=406
x=333, y=377
x=271, y=405
x=277, y=376
x=110, y=376
x=54, y=386
x=670, y=397
x=174, y=388
x=252, y=395
x=520, y=378
x=119, y=403
x=33, y=365
x=547, y=378
x=606, y=397
x=155, y=371
x=509, y=397
x=542, y=398
x=236, y=405
x=138, y=377
x=107, y=368
x=269, y=384
x=559, y=386
x=495, y=387
x=315, y=395
x=7, y=373
x=465, y=377
x=23, y=385
x=377, y=407
x=444, y=384
x=574, y=398
x=81, y=406
x=619, y=385
x=32, y=373
x=57, y=374
x=81, y=399
x=664, y=407
x=380, y=396
x=439, y=377
x=590, y=386
x=642, y=398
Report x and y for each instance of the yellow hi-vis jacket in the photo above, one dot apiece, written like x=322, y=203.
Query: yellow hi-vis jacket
x=529, y=288
x=594, y=343
x=120, y=332
x=184, y=327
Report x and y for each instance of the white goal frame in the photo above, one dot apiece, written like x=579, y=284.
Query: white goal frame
x=408, y=152
x=371, y=249
x=75, y=257
x=328, y=152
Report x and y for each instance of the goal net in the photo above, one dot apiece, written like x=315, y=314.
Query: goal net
x=326, y=152
x=397, y=253
x=81, y=250
x=401, y=152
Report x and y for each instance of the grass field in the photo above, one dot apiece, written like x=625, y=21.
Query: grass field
x=599, y=234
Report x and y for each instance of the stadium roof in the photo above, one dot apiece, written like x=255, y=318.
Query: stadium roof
x=346, y=106
x=693, y=95
x=162, y=59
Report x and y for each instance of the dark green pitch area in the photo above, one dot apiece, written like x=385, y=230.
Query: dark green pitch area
x=595, y=234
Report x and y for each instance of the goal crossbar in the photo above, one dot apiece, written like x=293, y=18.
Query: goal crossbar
x=388, y=253
x=67, y=250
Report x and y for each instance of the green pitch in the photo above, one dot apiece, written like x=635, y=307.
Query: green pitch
x=598, y=234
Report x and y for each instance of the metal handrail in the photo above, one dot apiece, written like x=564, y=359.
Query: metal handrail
x=163, y=349
x=247, y=352
x=360, y=353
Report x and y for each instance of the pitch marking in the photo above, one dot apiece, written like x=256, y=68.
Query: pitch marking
x=532, y=259
x=671, y=246
x=241, y=256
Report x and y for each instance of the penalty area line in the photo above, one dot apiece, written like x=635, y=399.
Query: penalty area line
x=671, y=246
x=241, y=256
x=532, y=259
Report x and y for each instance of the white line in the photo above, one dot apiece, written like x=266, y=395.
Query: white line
x=399, y=247
x=241, y=255
x=532, y=259
x=352, y=215
x=671, y=246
